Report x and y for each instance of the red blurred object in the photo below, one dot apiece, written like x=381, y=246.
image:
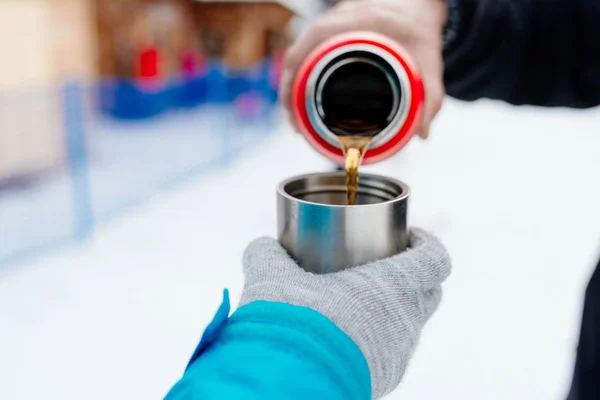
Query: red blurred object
x=192, y=64
x=148, y=67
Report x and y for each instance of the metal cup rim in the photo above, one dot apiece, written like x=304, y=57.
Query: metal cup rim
x=401, y=197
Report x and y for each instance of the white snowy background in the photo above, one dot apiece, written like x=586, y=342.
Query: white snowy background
x=513, y=193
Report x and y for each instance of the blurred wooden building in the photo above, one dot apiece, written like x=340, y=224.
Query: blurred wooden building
x=240, y=33
x=47, y=42
x=44, y=42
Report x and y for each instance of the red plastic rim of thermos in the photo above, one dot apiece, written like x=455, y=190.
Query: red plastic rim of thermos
x=405, y=132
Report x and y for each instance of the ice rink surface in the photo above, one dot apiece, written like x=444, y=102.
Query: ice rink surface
x=513, y=193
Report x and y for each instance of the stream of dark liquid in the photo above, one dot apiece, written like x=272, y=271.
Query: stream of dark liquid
x=357, y=102
x=355, y=136
x=354, y=148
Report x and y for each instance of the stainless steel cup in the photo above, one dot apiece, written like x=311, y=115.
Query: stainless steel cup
x=325, y=235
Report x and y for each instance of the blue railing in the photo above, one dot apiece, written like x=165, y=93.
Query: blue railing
x=92, y=152
x=135, y=99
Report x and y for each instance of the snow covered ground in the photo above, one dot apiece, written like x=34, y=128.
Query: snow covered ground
x=512, y=192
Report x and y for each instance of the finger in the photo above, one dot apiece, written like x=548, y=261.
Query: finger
x=348, y=16
x=330, y=24
x=425, y=264
x=424, y=130
x=434, y=97
x=320, y=31
x=432, y=71
x=428, y=259
x=298, y=52
x=432, y=299
x=268, y=271
x=285, y=89
x=265, y=257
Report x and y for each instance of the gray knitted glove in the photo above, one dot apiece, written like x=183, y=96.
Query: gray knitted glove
x=382, y=305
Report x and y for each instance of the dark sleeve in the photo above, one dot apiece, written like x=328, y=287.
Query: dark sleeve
x=586, y=382
x=538, y=52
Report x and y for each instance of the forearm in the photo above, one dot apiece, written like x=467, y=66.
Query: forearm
x=275, y=351
x=525, y=52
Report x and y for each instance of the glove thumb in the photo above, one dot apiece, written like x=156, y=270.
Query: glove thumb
x=265, y=257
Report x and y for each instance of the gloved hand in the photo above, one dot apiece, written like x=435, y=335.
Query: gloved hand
x=382, y=305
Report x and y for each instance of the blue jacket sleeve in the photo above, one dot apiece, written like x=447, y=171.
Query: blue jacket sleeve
x=278, y=351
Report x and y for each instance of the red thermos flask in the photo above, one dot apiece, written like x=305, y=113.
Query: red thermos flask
x=352, y=74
